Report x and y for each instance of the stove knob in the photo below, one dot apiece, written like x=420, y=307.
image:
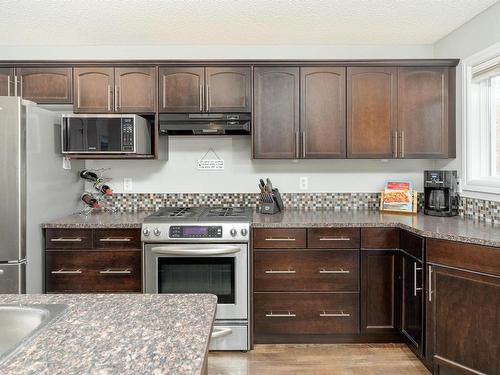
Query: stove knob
x=233, y=232
x=244, y=232
x=156, y=232
x=146, y=232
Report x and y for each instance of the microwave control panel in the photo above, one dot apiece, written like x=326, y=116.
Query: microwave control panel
x=128, y=134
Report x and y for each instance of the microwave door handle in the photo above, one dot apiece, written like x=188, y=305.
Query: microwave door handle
x=180, y=250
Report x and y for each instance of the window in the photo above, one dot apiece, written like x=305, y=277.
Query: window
x=481, y=120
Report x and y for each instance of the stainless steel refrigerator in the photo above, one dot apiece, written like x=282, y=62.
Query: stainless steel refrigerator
x=34, y=188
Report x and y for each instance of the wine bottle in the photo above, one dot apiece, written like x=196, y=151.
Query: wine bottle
x=104, y=189
x=89, y=175
x=90, y=201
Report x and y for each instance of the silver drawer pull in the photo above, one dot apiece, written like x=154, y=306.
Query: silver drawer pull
x=280, y=239
x=115, y=272
x=281, y=272
x=63, y=239
x=341, y=314
x=115, y=239
x=334, y=239
x=67, y=272
x=289, y=314
x=334, y=271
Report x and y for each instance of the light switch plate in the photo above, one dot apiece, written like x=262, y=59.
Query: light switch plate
x=304, y=183
x=127, y=184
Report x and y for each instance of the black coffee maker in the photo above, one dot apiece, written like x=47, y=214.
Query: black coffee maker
x=440, y=191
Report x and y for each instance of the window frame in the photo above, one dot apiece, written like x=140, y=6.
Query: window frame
x=473, y=150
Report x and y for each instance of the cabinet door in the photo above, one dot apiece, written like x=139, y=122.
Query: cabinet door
x=463, y=322
x=135, y=89
x=379, y=291
x=412, y=302
x=228, y=89
x=276, y=113
x=371, y=112
x=322, y=112
x=46, y=85
x=7, y=82
x=181, y=89
x=93, y=89
x=423, y=112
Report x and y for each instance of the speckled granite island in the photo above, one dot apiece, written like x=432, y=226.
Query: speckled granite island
x=118, y=334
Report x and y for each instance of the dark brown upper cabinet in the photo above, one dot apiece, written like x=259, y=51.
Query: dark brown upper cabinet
x=93, y=89
x=423, y=112
x=46, y=85
x=182, y=89
x=372, y=112
x=228, y=89
x=276, y=113
x=322, y=112
x=199, y=89
x=7, y=82
x=135, y=89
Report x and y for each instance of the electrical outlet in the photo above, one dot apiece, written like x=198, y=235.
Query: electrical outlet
x=127, y=184
x=304, y=183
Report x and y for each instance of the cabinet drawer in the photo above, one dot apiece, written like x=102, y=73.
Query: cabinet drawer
x=308, y=270
x=279, y=238
x=93, y=271
x=333, y=238
x=412, y=244
x=380, y=238
x=68, y=238
x=306, y=313
x=117, y=238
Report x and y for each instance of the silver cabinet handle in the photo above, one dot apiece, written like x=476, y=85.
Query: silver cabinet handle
x=207, y=98
x=415, y=269
x=430, y=283
x=395, y=145
x=221, y=332
x=185, y=250
x=297, y=147
x=15, y=85
x=115, y=239
x=67, y=272
x=334, y=239
x=21, y=86
x=109, y=97
x=201, y=98
x=402, y=143
x=280, y=239
x=62, y=239
x=8, y=85
x=289, y=314
x=117, y=97
x=341, y=314
x=115, y=272
x=303, y=144
x=342, y=271
x=280, y=272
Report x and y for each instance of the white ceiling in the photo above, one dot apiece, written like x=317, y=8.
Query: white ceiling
x=258, y=22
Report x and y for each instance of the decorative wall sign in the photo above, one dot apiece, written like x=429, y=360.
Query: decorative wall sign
x=205, y=164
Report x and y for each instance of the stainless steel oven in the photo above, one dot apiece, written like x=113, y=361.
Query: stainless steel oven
x=219, y=269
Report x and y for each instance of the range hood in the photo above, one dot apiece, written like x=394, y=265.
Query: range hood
x=204, y=123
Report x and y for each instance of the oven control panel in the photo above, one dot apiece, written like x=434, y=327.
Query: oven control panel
x=195, y=231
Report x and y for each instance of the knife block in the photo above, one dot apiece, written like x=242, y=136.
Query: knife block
x=274, y=207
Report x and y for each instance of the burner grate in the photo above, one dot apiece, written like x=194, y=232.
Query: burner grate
x=238, y=212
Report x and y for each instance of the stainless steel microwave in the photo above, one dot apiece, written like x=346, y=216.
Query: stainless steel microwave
x=105, y=134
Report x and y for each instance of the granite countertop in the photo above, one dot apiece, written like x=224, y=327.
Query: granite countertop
x=449, y=228
x=118, y=334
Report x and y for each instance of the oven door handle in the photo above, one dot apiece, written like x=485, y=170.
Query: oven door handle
x=221, y=332
x=179, y=250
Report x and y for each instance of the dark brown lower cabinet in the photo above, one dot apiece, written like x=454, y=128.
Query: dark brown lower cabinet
x=380, y=307
x=412, y=302
x=463, y=322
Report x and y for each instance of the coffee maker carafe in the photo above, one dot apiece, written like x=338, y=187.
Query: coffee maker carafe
x=440, y=193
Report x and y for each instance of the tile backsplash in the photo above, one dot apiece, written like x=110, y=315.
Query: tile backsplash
x=477, y=209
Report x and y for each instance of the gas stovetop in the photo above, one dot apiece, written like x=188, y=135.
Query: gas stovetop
x=200, y=224
x=200, y=214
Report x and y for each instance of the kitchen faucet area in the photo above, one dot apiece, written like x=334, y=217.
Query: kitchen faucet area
x=251, y=188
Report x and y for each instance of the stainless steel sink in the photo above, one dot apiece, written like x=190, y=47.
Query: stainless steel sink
x=19, y=323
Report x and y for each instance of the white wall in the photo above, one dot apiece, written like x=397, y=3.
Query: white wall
x=478, y=34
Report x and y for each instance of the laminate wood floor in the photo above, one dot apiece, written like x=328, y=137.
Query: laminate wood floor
x=334, y=359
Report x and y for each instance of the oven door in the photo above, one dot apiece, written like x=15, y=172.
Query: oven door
x=220, y=269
